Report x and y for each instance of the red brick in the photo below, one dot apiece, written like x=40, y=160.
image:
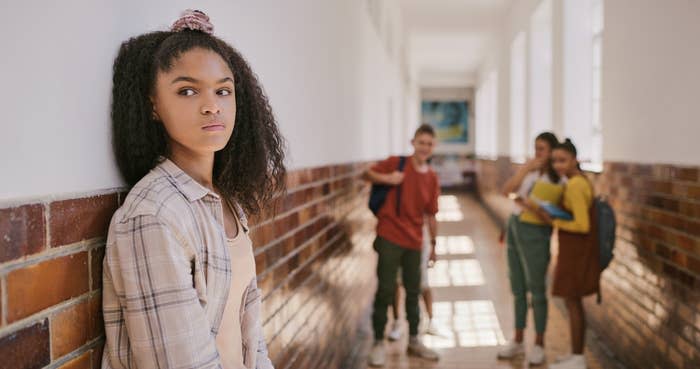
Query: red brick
x=42, y=285
x=80, y=362
x=694, y=264
x=96, y=260
x=292, y=180
x=97, y=357
x=22, y=231
x=96, y=322
x=689, y=208
x=26, y=348
x=80, y=219
x=661, y=171
x=260, y=262
x=693, y=192
x=641, y=170
x=69, y=329
x=684, y=174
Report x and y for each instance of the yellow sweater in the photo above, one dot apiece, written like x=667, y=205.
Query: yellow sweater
x=578, y=198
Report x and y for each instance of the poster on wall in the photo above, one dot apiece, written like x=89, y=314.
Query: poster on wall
x=449, y=118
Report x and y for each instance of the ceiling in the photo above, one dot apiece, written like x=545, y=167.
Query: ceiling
x=449, y=39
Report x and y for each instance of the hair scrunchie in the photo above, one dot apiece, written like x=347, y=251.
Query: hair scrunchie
x=194, y=20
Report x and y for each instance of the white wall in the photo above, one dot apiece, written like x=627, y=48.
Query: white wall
x=650, y=78
x=540, y=72
x=326, y=71
x=578, y=72
x=499, y=59
x=651, y=81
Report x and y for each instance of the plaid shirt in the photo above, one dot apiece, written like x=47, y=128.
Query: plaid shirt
x=166, y=278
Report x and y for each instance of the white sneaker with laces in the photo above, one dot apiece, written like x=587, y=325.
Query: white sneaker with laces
x=417, y=348
x=377, y=356
x=573, y=362
x=435, y=330
x=536, y=355
x=511, y=350
x=396, y=331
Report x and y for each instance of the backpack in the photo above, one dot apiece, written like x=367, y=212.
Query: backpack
x=606, y=230
x=378, y=193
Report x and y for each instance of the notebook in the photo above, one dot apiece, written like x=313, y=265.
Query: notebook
x=543, y=193
x=553, y=210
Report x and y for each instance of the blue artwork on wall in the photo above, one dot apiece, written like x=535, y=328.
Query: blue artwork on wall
x=449, y=118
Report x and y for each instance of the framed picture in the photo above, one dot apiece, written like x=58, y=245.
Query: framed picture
x=449, y=118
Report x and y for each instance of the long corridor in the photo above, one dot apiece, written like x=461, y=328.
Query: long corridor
x=473, y=304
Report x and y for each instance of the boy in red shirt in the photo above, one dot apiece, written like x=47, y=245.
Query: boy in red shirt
x=400, y=237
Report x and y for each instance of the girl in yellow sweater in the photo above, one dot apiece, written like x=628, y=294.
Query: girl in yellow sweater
x=577, y=272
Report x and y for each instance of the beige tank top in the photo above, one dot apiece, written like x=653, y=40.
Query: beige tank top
x=228, y=341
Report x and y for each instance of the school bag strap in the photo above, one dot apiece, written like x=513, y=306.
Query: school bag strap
x=379, y=192
x=402, y=164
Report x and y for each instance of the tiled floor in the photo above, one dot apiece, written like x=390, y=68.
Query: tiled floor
x=473, y=301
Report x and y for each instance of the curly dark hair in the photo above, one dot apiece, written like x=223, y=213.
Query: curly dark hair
x=249, y=169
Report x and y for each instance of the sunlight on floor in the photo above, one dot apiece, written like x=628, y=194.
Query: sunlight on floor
x=450, y=211
x=473, y=323
x=454, y=273
x=477, y=324
x=454, y=245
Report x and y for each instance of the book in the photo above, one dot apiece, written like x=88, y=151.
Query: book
x=553, y=210
x=542, y=191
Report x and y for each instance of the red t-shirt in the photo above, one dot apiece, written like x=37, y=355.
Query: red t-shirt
x=419, y=196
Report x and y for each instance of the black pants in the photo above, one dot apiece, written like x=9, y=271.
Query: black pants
x=391, y=256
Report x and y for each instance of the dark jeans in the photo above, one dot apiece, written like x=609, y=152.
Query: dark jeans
x=391, y=256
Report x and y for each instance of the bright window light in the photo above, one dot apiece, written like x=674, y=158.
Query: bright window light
x=473, y=323
x=456, y=273
x=454, y=245
x=450, y=210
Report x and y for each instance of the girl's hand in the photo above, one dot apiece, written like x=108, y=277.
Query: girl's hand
x=520, y=202
x=544, y=216
x=534, y=164
x=433, y=255
x=394, y=178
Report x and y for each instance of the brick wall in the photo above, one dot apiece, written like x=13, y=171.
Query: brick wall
x=650, y=316
x=314, y=262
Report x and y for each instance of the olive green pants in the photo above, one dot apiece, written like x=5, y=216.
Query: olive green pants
x=528, y=261
x=390, y=257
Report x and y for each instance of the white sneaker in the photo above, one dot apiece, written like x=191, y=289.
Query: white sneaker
x=377, y=356
x=511, y=350
x=396, y=331
x=561, y=358
x=435, y=330
x=417, y=348
x=536, y=356
x=573, y=362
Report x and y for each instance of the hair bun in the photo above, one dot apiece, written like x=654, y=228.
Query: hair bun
x=568, y=140
x=194, y=20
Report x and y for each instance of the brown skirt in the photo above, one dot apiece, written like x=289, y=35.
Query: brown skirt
x=577, y=273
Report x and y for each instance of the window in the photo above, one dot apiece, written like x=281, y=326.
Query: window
x=517, y=99
x=540, y=67
x=487, y=117
x=583, y=36
x=596, y=156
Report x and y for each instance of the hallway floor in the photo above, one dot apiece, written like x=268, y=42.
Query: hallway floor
x=473, y=304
